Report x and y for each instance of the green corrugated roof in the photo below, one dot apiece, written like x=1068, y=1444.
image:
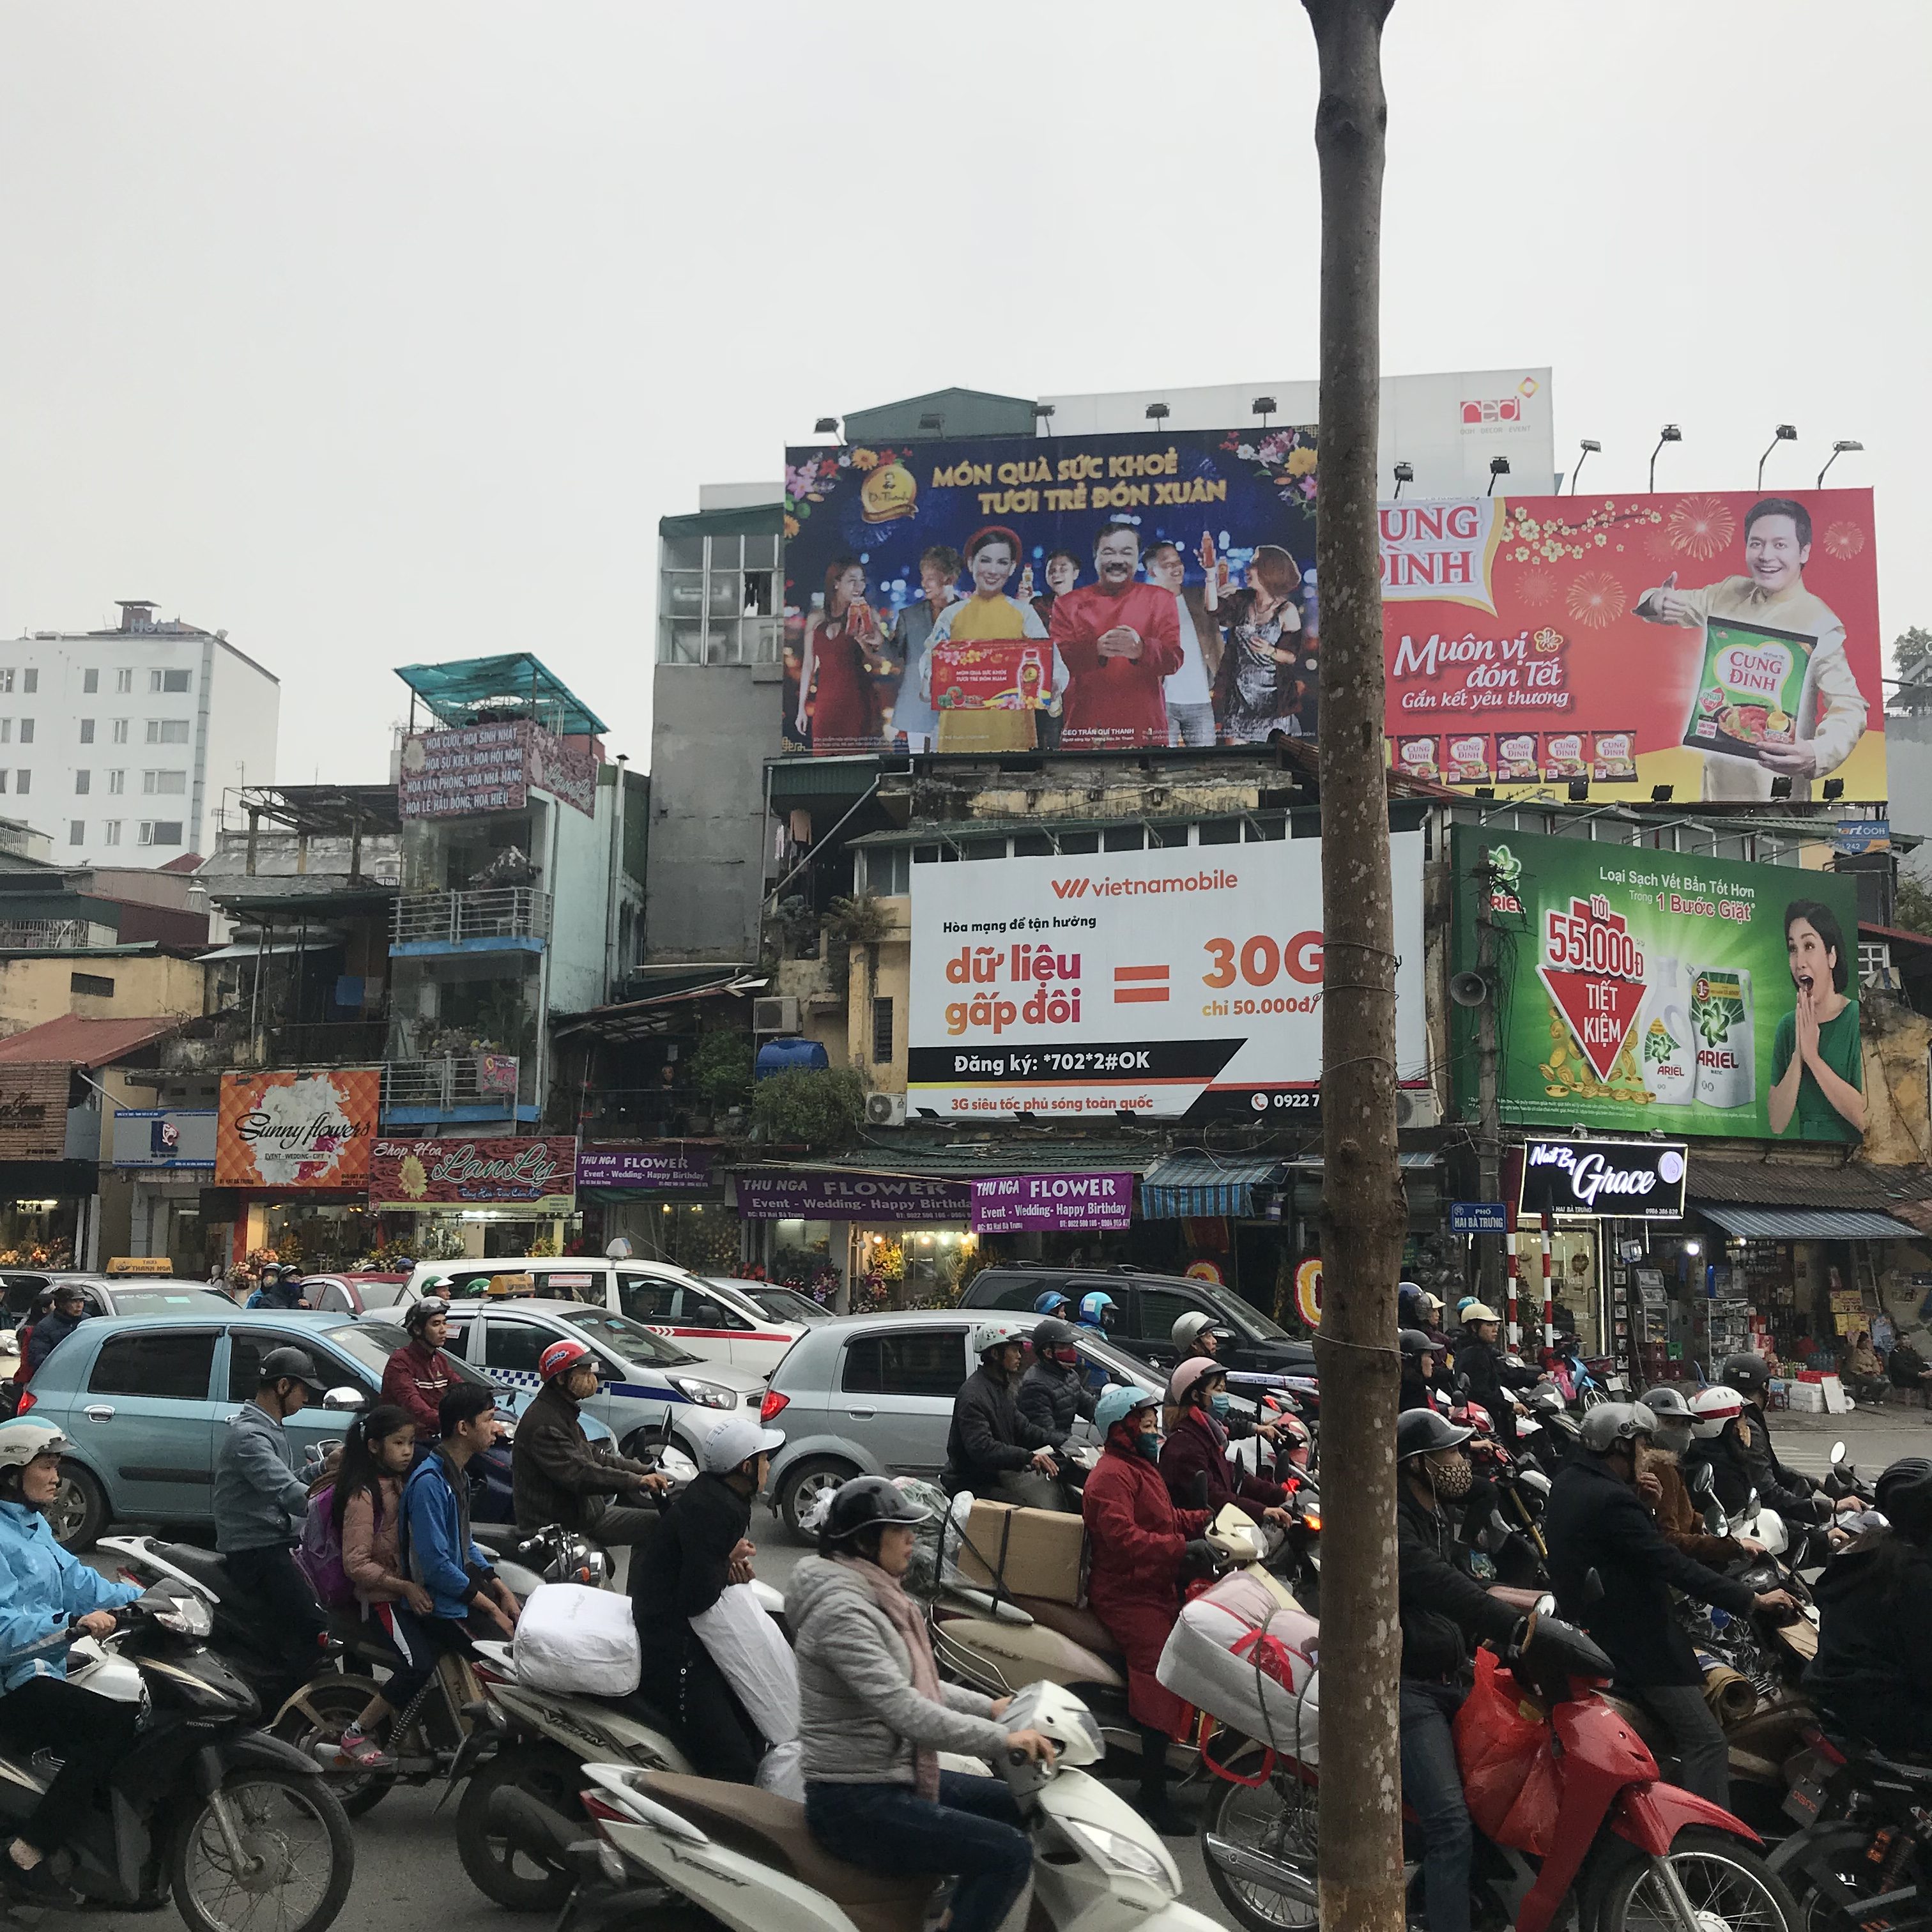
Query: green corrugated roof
x=516, y=682
x=754, y=519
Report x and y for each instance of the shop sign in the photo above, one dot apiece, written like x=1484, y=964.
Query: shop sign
x=1608, y=1180
x=420, y=1176
x=1021, y=1203
x=1478, y=1217
x=851, y=1197
x=491, y=768
x=158, y=1264
x=1861, y=835
x=33, y=1110
x=300, y=1127
x=667, y=1169
x=165, y=1137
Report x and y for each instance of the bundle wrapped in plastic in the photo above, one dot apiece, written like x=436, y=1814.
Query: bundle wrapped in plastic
x=923, y=1576
x=1249, y=1661
x=571, y=1638
x=757, y=1662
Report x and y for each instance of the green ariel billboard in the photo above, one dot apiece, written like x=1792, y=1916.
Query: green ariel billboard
x=1637, y=989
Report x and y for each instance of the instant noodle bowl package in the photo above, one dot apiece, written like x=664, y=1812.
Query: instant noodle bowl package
x=1613, y=755
x=1469, y=759
x=1516, y=760
x=1755, y=689
x=1563, y=755
x=1420, y=758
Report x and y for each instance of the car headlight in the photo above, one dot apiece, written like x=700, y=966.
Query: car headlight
x=709, y=1395
x=1122, y=1854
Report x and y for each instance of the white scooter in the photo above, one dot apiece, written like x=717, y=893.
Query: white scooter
x=745, y=1857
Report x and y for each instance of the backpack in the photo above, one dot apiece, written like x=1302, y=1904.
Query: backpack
x=319, y=1554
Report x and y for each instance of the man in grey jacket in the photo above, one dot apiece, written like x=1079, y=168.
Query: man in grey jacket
x=261, y=1503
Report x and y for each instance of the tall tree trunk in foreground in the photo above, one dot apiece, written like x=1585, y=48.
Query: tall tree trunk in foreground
x=1363, y=1213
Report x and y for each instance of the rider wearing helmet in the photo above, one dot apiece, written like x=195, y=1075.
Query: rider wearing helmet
x=1051, y=1393
x=874, y=1716
x=1742, y=1458
x=1418, y=1369
x=1194, y=1460
x=1481, y=1358
x=1660, y=1481
x=1138, y=1543
x=1198, y=1332
x=1445, y=1612
x=1099, y=1310
x=280, y=1286
x=46, y=1599
x=702, y=1545
x=67, y=1310
x=558, y=1474
x=993, y=1449
x=1595, y=1521
x=1053, y=1303
x=418, y=1375
x=1874, y=1669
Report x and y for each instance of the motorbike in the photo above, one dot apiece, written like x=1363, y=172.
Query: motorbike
x=1862, y=1860
x=744, y=1857
x=205, y=1807
x=1593, y=1818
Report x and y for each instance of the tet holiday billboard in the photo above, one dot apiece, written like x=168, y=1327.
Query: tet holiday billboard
x=1638, y=990
x=1184, y=982
x=1717, y=642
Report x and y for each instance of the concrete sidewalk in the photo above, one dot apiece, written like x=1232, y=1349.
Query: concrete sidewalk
x=1873, y=1434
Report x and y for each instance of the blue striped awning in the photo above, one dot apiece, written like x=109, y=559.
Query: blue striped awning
x=1805, y=1224
x=1189, y=1185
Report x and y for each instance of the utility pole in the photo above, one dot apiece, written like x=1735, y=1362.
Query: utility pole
x=1363, y=1216
x=1488, y=1105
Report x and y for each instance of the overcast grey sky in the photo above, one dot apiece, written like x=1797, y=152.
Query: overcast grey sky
x=378, y=333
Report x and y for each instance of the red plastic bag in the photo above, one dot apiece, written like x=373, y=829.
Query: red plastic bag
x=1509, y=1775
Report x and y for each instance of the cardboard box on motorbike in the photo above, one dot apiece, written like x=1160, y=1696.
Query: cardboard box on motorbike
x=1023, y=1553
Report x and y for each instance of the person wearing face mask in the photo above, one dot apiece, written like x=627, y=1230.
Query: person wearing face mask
x=1194, y=1461
x=1418, y=1370
x=1660, y=1481
x=1051, y=1393
x=1596, y=1520
x=1138, y=1544
x=1445, y=1612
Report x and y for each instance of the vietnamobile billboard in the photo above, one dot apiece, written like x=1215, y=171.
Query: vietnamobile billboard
x=1644, y=990
x=1714, y=642
x=1181, y=982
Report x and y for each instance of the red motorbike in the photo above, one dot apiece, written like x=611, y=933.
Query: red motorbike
x=1566, y=1801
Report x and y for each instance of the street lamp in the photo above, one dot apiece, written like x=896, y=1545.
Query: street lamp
x=1264, y=407
x=1670, y=433
x=826, y=426
x=1158, y=413
x=1591, y=447
x=1405, y=473
x=1837, y=450
x=1499, y=466
x=1784, y=432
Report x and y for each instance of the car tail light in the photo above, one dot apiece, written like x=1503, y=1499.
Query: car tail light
x=25, y=1402
x=772, y=1406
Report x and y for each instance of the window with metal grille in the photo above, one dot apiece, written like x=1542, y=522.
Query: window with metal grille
x=882, y=1031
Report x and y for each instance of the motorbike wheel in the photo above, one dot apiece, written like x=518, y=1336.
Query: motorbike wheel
x=1277, y=1819
x=336, y=1704
x=502, y=1872
x=1828, y=1871
x=299, y=1854
x=1728, y=1884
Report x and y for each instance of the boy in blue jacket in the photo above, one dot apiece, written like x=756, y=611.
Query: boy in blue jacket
x=434, y=1533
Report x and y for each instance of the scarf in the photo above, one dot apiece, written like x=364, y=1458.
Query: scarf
x=904, y=1618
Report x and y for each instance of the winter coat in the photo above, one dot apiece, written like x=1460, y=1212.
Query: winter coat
x=52, y=1328
x=1874, y=1669
x=557, y=1474
x=989, y=1434
x=1135, y=1541
x=1678, y=1517
x=1742, y=1459
x=1595, y=1520
x=859, y=1716
x=371, y=1557
x=43, y=1590
x=417, y=1378
x=1444, y=1609
x=434, y=1541
x=681, y=1571
x=260, y=1500
x=1194, y=1447
x=1051, y=1395
x=1489, y=1375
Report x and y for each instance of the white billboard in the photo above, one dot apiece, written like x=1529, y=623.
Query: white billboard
x=1180, y=982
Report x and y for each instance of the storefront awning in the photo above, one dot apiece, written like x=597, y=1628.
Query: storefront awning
x=1806, y=1224
x=1186, y=1186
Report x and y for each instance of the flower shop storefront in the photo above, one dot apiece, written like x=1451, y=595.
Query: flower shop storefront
x=668, y=1201
x=465, y=1199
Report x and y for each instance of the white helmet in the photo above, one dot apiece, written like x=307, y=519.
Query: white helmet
x=21, y=1442
x=995, y=1335
x=1711, y=1408
x=736, y=1440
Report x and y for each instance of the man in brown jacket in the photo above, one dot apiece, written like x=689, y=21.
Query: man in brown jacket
x=1660, y=1482
x=558, y=1475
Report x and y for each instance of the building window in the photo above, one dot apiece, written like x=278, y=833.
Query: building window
x=167, y=730
x=120, y=731
x=167, y=680
x=90, y=682
x=882, y=1032
x=83, y=783
x=6, y=678
x=30, y=680
x=163, y=783
x=889, y=871
x=76, y=832
x=160, y=832
x=97, y=984
x=124, y=679
x=719, y=601
x=23, y=782
x=111, y=833
x=87, y=730
x=6, y=730
x=26, y=730
x=117, y=781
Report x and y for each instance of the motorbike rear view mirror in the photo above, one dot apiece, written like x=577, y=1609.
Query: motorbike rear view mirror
x=1593, y=1588
x=1837, y=1453
x=1463, y=1387
x=1703, y=1482
x=347, y=1397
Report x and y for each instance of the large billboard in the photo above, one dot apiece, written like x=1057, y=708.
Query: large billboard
x=299, y=1127
x=1093, y=592
x=1717, y=642
x=1182, y=983
x=1639, y=990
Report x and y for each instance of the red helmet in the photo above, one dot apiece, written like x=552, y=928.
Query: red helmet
x=560, y=1357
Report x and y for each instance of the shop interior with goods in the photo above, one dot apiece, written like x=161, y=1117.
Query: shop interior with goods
x=39, y=1232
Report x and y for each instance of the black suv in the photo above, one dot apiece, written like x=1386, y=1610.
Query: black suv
x=1149, y=1306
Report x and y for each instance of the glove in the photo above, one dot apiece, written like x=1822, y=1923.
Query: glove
x=1201, y=1554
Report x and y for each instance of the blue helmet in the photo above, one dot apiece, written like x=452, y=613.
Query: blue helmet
x=1052, y=1303
x=1116, y=1404
x=1097, y=1310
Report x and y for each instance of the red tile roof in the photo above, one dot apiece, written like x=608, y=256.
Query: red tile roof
x=71, y=1041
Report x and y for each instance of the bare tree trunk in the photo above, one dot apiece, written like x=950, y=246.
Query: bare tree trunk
x=1363, y=1212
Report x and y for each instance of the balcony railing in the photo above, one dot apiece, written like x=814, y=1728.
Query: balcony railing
x=453, y=918
x=468, y=1080
x=47, y=935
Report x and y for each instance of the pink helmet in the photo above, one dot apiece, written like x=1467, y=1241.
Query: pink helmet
x=1192, y=1371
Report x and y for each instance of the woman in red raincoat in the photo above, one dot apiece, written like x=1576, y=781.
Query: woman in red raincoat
x=1137, y=1547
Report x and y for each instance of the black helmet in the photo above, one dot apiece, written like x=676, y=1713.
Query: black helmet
x=1418, y=1431
x=419, y=1314
x=1052, y=1333
x=1414, y=1342
x=289, y=1365
x=864, y=1502
x=1749, y=1374
x=1904, y=1495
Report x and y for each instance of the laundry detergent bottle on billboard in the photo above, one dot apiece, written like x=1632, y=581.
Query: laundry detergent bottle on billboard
x=1720, y=1015
x=1668, y=1054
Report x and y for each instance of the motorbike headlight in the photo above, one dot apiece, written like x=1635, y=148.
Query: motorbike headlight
x=189, y=1616
x=707, y=1395
x=1118, y=1853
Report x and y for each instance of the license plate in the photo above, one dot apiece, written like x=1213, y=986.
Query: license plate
x=1804, y=1801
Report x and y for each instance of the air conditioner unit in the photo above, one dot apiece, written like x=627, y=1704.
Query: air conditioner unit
x=1415, y=1107
x=778, y=1015
x=885, y=1110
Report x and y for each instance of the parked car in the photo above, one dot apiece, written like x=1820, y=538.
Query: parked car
x=872, y=1395
x=353, y=1294
x=717, y=1320
x=1150, y=1305
x=652, y=1390
x=115, y=1294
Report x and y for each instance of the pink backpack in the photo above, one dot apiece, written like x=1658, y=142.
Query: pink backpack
x=319, y=1554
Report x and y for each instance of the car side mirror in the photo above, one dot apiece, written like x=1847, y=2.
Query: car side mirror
x=1593, y=1587
x=346, y=1397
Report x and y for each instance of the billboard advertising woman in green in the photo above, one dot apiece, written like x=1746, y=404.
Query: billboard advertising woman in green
x=1815, y=1056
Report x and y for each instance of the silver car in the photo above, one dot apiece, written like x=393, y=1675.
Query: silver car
x=872, y=1395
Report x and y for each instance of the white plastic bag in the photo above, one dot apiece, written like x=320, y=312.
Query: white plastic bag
x=781, y=1771
x=748, y=1647
x=571, y=1638
x=1199, y=1664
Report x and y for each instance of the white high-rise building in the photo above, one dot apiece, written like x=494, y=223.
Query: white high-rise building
x=118, y=744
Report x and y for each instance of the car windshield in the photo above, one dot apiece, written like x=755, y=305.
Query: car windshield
x=782, y=1304
x=371, y=1344
x=631, y=1340
x=1243, y=1314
